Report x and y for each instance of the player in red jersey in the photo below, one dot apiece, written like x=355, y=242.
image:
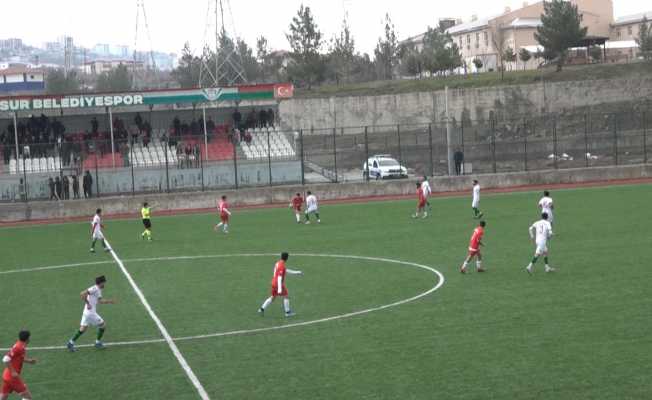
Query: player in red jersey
x=421, y=202
x=223, y=208
x=13, y=361
x=296, y=204
x=278, y=285
x=474, y=248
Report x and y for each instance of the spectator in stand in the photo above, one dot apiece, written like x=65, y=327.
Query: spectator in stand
x=71, y=190
x=248, y=137
x=138, y=120
x=57, y=188
x=176, y=126
x=95, y=126
x=75, y=186
x=124, y=152
x=53, y=193
x=458, y=157
x=146, y=139
x=210, y=127
x=188, y=151
x=262, y=118
x=87, y=184
x=65, y=188
x=237, y=119
x=252, y=119
x=270, y=117
x=194, y=127
x=196, y=153
x=180, y=155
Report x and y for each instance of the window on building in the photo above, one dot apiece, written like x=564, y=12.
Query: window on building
x=629, y=30
x=477, y=37
x=468, y=39
x=618, y=33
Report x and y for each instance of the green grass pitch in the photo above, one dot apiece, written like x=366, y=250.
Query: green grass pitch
x=580, y=333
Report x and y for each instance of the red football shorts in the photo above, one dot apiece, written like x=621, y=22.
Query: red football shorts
x=224, y=218
x=284, y=291
x=473, y=253
x=422, y=203
x=15, y=385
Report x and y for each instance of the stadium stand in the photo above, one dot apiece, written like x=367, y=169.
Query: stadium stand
x=277, y=147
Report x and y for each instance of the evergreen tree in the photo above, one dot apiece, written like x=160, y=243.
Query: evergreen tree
x=644, y=39
x=57, y=82
x=116, y=80
x=187, y=72
x=342, y=53
x=524, y=55
x=387, y=52
x=305, y=40
x=561, y=28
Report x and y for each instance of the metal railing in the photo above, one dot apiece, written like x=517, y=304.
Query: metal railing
x=79, y=166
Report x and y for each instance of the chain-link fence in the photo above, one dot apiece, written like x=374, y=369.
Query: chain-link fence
x=166, y=155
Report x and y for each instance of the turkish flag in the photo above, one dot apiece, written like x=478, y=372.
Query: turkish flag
x=284, y=91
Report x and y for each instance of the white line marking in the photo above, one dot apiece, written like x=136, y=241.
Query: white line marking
x=440, y=282
x=175, y=350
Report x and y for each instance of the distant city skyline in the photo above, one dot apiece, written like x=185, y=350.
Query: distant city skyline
x=171, y=25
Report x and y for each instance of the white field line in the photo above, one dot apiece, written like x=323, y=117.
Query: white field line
x=175, y=350
x=439, y=284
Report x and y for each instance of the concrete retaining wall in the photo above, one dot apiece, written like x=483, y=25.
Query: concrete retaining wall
x=505, y=102
x=281, y=194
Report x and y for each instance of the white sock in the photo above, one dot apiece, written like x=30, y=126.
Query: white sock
x=298, y=217
x=478, y=264
x=226, y=227
x=465, y=264
x=267, y=303
x=286, y=304
x=220, y=224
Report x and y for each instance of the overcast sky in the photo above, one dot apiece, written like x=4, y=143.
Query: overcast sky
x=173, y=22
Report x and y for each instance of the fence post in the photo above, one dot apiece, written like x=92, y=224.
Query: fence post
x=23, y=190
x=432, y=166
x=366, y=151
x=398, y=136
x=201, y=166
x=303, y=171
x=616, y=138
x=554, y=141
x=525, y=127
x=97, y=174
x=269, y=158
x=167, y=167
x=586, y=140
x=644, y=137
x=235, y=162
x=335, y=152
x=493, y=143
x=131, y=165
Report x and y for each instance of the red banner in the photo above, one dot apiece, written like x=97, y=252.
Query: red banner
x=284, y=91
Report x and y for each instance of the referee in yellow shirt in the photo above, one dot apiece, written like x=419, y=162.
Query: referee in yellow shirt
x=146, y=213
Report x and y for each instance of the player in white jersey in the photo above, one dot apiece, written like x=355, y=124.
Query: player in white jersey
x=96, y=231
x=546, y=205
x=312, y=207
x=540, y=233
x=91, y=297
x=475, y=204
x=427, y=191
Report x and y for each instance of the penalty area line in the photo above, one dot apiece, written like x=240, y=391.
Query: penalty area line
x=166, y=335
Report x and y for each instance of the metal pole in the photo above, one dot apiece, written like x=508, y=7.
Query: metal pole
x=303, y=172
x=131, y=164
x=493, y=143
x=644, y=137
x=366, y=151
x=398, y=136
x=449, y=150
x=112, y=143
x=432, y=166
x=201, y=166
x=269, y=158
x=16, y=136
x=235, y=165
x=525, y=127
x=24, y=193
x=616, y=138
x=203, y=110
x=586, y=140
x=554, y=141
x=167, y=172
x=97, y=174
x=335, y=152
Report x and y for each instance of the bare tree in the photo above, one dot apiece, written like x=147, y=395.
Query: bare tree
x=499, y=40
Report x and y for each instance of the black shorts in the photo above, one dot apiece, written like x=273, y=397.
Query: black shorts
x=147, y=223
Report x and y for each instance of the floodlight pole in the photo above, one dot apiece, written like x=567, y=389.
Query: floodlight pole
x=112, y=143
x=16, y=135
